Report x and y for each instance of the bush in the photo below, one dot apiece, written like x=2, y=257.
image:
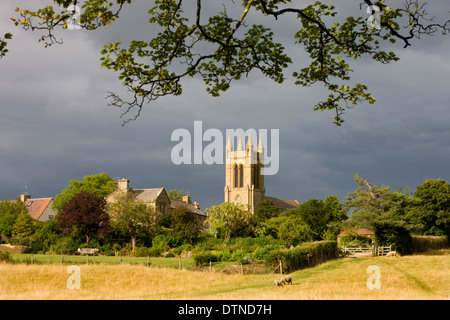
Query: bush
x=306, y=255
x=5, y=257
x=154, y=252
x=261, y=252
x=203, y=258
x=387, y=234
x=142, y=252
x=425, y=243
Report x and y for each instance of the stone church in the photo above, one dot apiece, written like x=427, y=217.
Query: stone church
x=244, y=182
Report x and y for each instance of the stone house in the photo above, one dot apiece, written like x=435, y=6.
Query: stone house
x=157, y=198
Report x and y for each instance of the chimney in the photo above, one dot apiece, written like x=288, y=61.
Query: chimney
x=186, y=199
x=123, y=185
x=197, y=205
x=24, y=197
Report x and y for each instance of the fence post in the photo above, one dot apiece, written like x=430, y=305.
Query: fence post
x=179, y=263
x=210, y=266
x=61, y=258
x=147, y=261
x=281, y=267
x=87, y=259
x=31, y=258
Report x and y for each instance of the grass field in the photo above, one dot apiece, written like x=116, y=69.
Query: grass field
x=407, y=277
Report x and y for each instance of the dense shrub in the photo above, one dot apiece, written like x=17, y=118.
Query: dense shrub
x=261, y=252
x=154, y=252
x=5, y=257
x=203, y=258
x=424, y=243
x=303, y=256
x=141, y=252
x=387, y=234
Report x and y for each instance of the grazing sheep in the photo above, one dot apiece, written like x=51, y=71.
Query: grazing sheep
x=391, y=254
x=286, y=279
x=277, y=283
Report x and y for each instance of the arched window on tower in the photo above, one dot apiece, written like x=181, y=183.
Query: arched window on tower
x=256, y=176
x=236, y=176
x=241, y=176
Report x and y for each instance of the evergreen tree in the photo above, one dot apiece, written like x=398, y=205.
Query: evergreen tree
x=23, y=226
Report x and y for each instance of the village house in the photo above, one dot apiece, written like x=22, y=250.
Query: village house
x=39, y=209
x=157, y=198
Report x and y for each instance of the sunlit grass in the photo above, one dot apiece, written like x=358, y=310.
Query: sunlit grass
x=408, y=277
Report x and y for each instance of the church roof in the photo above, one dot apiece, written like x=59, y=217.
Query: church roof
x=283, y=203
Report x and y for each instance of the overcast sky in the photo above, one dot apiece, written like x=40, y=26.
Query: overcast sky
x=55, y=124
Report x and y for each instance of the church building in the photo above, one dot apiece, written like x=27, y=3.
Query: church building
x=244, y=182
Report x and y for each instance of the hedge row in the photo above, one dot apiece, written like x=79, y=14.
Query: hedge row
x=424, y=243
x=303, y=256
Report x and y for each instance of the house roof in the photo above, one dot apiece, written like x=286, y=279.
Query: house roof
x=283, y=203
x=36, y=207
x=147, y=195
x=144, y=195
x=177, y=204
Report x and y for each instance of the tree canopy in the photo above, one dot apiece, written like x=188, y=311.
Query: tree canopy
x=133, y=216
x=85, y=213
x=9, y=212
x=228, y=217
x=432, y=215
x=370, y=205
x=195, y=39
x=100, y=184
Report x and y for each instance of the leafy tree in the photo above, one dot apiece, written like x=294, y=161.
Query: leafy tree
x=23, y=226
x=432, y=215
x=220, y=47
x=319, y=214
x=231, y=217
x=333, y=206
x=370, y=204
x=85, y=213
x=387, y=234
x=295, y=231
x=100, y=184
x=133, y=216
x=178, y=195
x=9, y=211
x=185, y=225
x=266, y=210
x=47, y=236
x=3, y=44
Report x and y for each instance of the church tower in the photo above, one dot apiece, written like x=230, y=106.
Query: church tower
x=244, y=182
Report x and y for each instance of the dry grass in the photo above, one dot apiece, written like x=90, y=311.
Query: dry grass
x=409, y=277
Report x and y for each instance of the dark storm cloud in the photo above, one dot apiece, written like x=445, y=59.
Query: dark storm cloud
x=55, y=124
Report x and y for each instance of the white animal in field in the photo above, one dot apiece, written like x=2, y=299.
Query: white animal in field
x=286, y=279
x=277, y=283
x=391, y=254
